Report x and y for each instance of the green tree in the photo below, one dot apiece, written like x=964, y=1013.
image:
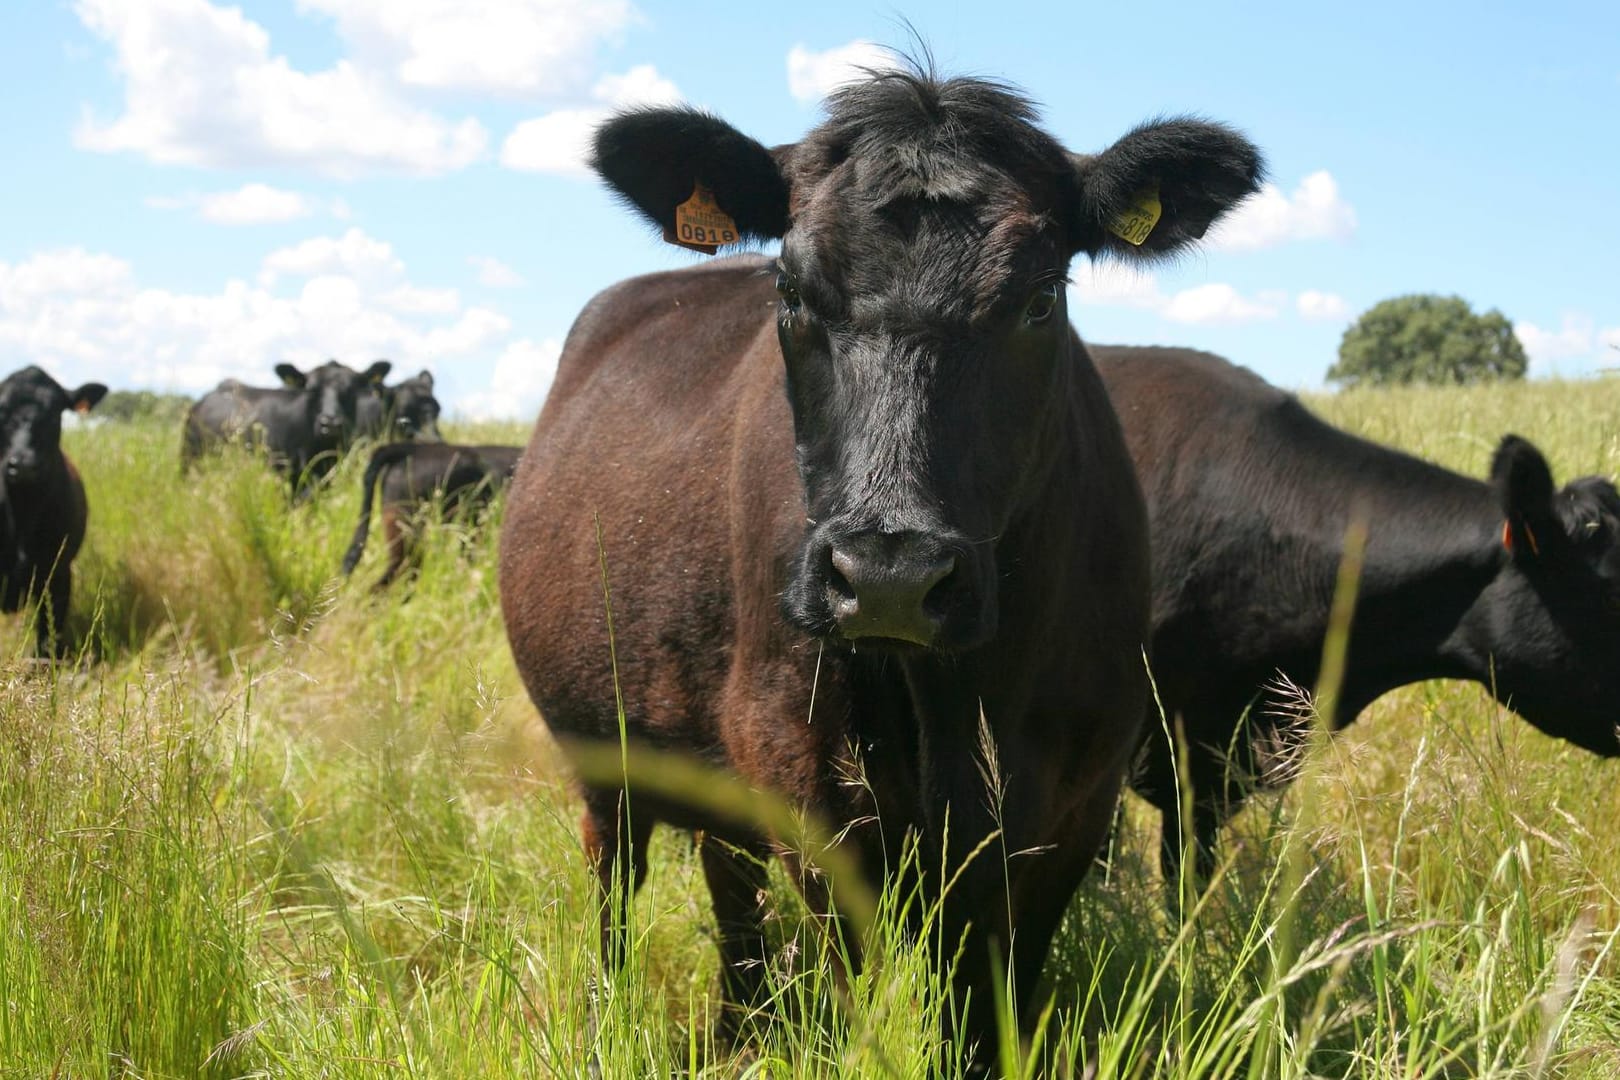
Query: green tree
x=1428, y=338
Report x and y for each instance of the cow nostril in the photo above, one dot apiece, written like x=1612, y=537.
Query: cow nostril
x=840, y=569
x=937, y=578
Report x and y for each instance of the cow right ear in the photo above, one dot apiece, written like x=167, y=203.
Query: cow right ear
x=657, y=159
x=291, y=377
x=1524, y=484
x=87, y=397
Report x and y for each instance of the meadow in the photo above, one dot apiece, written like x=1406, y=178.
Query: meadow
x=277, y=825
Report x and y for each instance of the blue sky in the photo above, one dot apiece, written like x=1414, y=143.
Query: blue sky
x=194, y=190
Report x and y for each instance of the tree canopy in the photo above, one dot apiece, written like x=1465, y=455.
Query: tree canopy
x=1428, y=338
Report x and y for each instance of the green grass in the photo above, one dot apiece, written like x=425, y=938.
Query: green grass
x=280, y=826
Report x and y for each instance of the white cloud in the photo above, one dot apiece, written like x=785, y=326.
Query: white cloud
x=814, y=75
x=1315, y=211
x=494, y=274
x=507, y=47
x=85, y=316
x=1115, y=284
x=1321, y=305
x=252, y=204
x=1216, y=303
x=560, y=141
x=1574, y=339
x=201, y=87
x=518, y=386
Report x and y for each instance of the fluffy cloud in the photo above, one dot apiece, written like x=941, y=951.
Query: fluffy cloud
x=1324, y=306
x=252, y=204
x=1577, y=345
x=494, y=274
x=1315, y=211
x=508, y=47
x=814, y=75
x=1114, y=284
x=201, y=87
x=85, y=316
x=522, y=376
x=1217, y=303
x=560, y=142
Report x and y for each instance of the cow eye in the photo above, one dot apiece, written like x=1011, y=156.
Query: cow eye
x=1041, y=304
x=788, y=291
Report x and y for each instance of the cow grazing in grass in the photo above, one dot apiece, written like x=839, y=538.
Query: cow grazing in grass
x=413, y=475
x=406, y=410
x=858, y=499
x=303, y=426
x=42, y=497
x=1508, y=582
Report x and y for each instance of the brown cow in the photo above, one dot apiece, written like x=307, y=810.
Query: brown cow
x=854, y=498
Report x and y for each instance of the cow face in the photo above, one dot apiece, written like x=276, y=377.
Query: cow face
x=415, y=411
x=333, y=393
x=1554, y=610
x=31, y=407
x=926, y=232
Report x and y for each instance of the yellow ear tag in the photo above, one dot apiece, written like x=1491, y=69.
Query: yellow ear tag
x=700, y=224
x=1136, y=221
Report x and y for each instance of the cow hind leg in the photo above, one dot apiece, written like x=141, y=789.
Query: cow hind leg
x=736, y=875
x=397, y=542
x=616, y=842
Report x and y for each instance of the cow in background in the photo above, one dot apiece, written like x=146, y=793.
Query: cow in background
x=303, y=426
x=1506, y=582
x=406, y=410
x=463, y=478
x=43, y=510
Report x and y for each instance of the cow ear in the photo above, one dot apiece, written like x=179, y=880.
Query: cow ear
x=377, y=372
x=291, y=377
x=87, y=397
x=1524, y=484
x=426, y=379
x=658, y=159
x=1159, y=189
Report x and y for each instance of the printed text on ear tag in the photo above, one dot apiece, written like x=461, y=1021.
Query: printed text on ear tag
x=700, y=224
x=1136, y=221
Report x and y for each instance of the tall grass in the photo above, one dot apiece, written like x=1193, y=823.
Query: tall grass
x=277, y=825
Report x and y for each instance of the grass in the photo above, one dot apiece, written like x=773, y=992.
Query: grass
x=281, y=826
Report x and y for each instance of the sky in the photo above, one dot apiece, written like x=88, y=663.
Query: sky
x=193, y=190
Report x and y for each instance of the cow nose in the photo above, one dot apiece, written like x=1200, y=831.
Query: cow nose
x=19, y=467
x=326, y=425
x=879, y=587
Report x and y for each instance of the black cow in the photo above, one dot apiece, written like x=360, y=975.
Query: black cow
x=303, y=426
x=42, y=497
x=407, y=410
x=1508, y=582
x=857, y=499
x=412, y=475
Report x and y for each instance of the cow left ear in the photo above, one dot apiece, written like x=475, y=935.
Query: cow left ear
x=426, y=379
x=377, y=372
x=87, y=397
x=1524, y=484
x=1160, y=188
x=291, y=377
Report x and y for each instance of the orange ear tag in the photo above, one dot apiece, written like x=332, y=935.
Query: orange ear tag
x=1507, y=536
x=700, y=224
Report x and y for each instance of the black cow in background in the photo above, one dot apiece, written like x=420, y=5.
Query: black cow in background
x=412, y=475
x=43, y=510
x=407, y=410
x=1508, y=583
x=304, y=425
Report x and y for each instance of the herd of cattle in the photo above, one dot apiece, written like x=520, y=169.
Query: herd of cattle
x=858, y=501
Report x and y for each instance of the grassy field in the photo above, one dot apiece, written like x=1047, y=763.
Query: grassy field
x=281, y=826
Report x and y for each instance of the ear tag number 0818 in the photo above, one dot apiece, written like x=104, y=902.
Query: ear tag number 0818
x=700, y=224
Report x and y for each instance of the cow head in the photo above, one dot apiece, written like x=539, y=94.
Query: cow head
x=333, y=393
x=31, y=408
x=1551, y=619
x=926, y=230
x=413, y=409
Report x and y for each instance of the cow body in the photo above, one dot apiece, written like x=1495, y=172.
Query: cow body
x=1250, y=498
x=43, y=510
x=406, y=410
x=409, y=476
x=303, y=426
x=933, y=534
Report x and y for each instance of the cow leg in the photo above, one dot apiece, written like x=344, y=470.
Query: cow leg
x=397, y=544
x=616, y=842
x=737, y=880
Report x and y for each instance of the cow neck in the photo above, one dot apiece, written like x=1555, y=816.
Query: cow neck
x=1432, y=550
